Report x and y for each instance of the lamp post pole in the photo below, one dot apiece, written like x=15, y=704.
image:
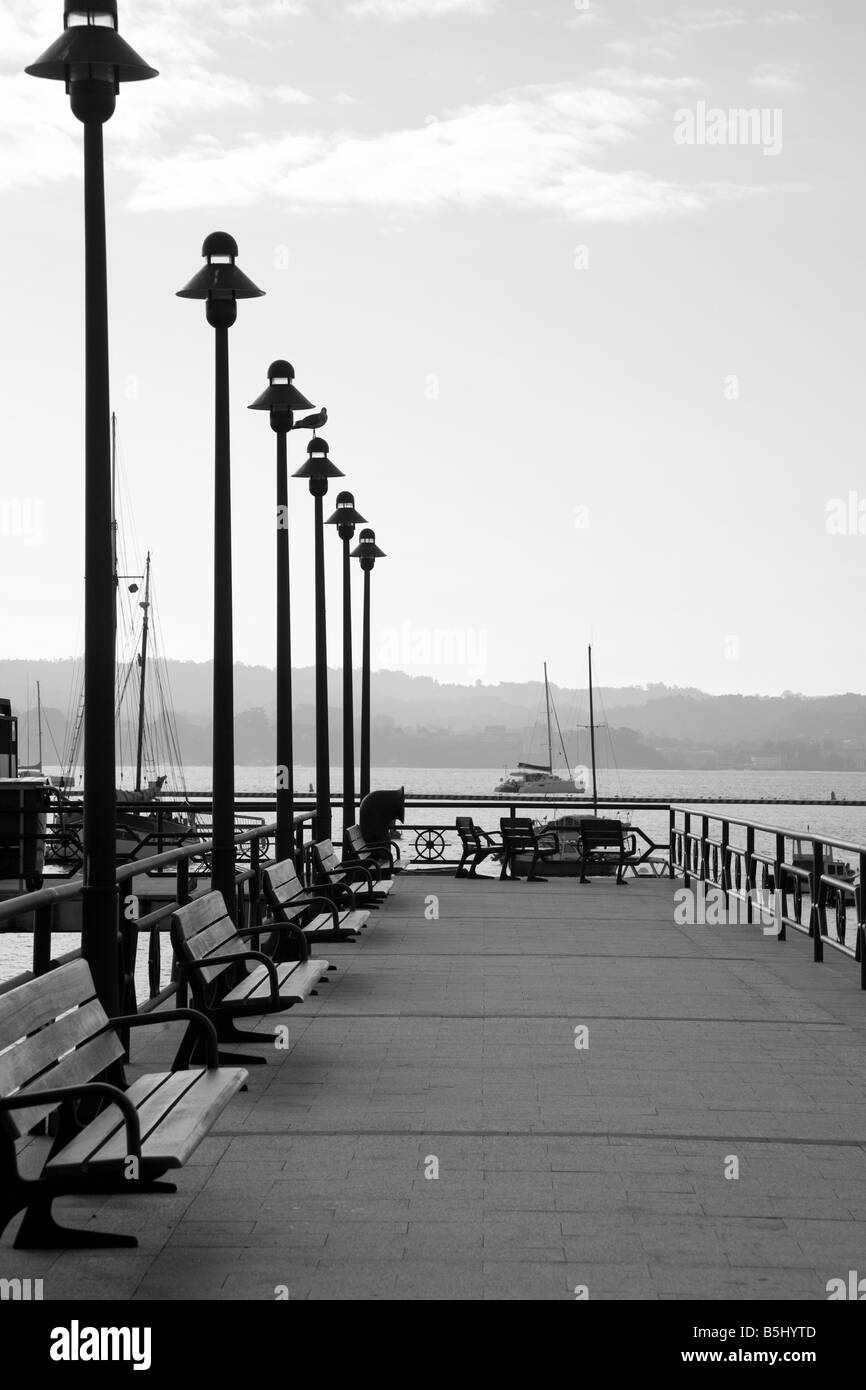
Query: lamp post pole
x=346, y=518
x=281, y=399
x=368, y=552
x=318, y=469
x=221, y=284
x=92, y=60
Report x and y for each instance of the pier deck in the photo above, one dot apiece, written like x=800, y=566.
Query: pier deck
x=454, y=1039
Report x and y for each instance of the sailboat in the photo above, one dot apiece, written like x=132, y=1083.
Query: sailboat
x=139, y=825
x=530, y=779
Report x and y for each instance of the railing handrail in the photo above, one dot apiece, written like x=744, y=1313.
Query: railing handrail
x=818, y=837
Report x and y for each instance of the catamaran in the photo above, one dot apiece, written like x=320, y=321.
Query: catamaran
x=531, y=779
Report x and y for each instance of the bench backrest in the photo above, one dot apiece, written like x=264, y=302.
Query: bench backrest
x=204, y=928
x=596, y=833
x=467, y=832
x=281, y=883
x=356, y=840
x=325, y=859
x=45, y=1019
x=518, y=834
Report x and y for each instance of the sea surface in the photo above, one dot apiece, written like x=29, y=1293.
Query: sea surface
x=839, y=823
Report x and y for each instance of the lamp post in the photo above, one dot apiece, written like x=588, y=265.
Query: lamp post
x=220, y=283
x=368, y=552
x=92, y=60
x=346, y=518
x=282, y=398
x=318, y=469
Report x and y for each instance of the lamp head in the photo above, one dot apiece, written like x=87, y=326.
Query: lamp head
x=281, y=398
x=367, y=551
x=345, y=518
x=220, y=282
x=91, y=59
x=318, y=468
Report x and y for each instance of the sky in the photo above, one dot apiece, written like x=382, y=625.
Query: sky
x=590, y=341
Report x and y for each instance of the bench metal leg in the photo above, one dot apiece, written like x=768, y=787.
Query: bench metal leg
x=39, y=1231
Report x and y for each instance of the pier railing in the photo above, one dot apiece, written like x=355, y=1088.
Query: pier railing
x=767, y=870
x=171, y=879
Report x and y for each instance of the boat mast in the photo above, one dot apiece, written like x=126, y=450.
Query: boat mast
x=39, y=720
x=549, y=734
x=592, y=739
x=142, y=661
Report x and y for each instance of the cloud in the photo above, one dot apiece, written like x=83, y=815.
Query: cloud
x=537, y=148
x=396, y=10
x=776, y=77
x=638, y=81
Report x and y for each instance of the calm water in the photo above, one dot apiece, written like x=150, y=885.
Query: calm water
x=846, y=823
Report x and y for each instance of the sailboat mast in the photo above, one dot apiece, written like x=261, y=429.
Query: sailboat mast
x=592, y=739
x=549, y=734
x=39, y=721
x=143, y=663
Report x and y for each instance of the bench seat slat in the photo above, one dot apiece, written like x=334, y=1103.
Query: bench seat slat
x=177, y=1109
x=295, y=980
x=40, y=1050
x=39, y=1001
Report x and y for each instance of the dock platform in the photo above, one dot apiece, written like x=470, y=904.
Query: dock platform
x=569, y=1164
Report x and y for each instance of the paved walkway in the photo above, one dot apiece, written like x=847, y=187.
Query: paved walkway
x=451, y=1042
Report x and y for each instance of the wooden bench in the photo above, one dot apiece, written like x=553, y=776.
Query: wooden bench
x=212, y=957
x=381, y=854
x=290, y=901
x=598, y=838
x=520, y=839
x=56, y=1040
x=477, y=845
x=351, y=880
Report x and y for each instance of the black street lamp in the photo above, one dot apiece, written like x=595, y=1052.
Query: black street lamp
x=318, y=469
x=346, y=518
x=282, y=398
x=368, y=552
x=220, y=283
x=92, y=60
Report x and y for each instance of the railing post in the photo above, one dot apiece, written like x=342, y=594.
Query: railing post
x=860, y=907
x=182, y=899
x=253, y=889
x=42, y=938
x=750, y=850
x=672, y=825
x=705, y=849
x=724, y=877
x=127, y=931
x=779, y=894
x=687, y=847
x=818, y=923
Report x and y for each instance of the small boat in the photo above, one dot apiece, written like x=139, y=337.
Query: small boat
x=531, y=779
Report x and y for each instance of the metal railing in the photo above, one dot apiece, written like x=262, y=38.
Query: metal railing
x=759, y=867
x=170, y=878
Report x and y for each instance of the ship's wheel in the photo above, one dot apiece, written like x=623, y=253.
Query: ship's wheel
x=430, y=846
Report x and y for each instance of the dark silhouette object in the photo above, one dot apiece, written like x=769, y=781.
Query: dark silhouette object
x=314, y=422
x=520, y=839
x=92, y=60
x=56, y=1031
x=318, y=470
x=346, y=518
x=282, y=399
x=598, y=836
x=368, y=552
x=290, y=901
x=212, y=959
x=477, y=845
x=221, y=283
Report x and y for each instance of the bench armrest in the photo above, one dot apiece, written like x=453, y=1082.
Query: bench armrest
x=385, y=845
x=359, y=868
x=274, y=924
x=322, y=902
x=191, y=1016
x=235, y=959
x=29, y=1100
x=347, y=889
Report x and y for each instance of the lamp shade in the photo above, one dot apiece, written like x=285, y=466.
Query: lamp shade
x=367, y=549
x=90, y=46
x=220, y=277
x=318, y=465
x=346, y=515
x=281, y=393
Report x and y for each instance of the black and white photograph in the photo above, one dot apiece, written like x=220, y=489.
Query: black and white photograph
x=432, y=696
